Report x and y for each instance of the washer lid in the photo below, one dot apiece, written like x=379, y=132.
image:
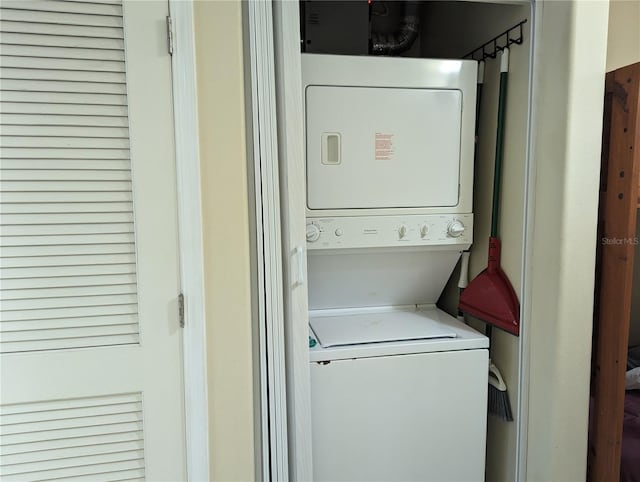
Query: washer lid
x=377, y=327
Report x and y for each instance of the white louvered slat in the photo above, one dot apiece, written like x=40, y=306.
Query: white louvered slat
x=93, y=473
x=64, y=153
x=67, y=264
x=90, y=7
x=17, y=73
x=38, y=51
x=69, y=343
x=127, y=475
x=63, y=64
x=62, y=120
x=60, y=29
x=95, y=438
x=65, y=229
x=65, y=131
x=66, y=313
x=64, y=250
x=69, y=240
x=66, y=164
x=47, y=405
x=66, y=271
x=69, y=423
x=52, y=142
x=71, y=443
x=85, y=333
x=68, y=292
x=79, y=175
x=47, y=85
x=69, y=452
x=66, y=282
x=38, y=108
x=66, y=260
x=49, y=465
x=72, y=208
x=62, y=186
x=101, y=299
x=60, y=41
x=52, y=324
x=62, y=334
x=109, y=2
x=67, y=218
x=49, y=303
x=61, y=18
x=89, y=430
x=66, y=197
x=71, y=413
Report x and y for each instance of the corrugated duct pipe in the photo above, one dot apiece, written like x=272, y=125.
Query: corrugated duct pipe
x=402, y=39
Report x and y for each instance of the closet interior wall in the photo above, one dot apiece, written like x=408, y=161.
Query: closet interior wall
x=452, y=29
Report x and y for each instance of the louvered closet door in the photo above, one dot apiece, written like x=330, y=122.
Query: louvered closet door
x=90, y=341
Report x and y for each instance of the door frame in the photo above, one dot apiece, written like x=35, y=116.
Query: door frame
x=185, y=111
x=614, y=275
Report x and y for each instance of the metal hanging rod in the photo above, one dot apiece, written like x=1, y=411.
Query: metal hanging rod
x=491, y=48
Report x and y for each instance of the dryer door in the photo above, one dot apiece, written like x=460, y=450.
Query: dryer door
x=373, y=147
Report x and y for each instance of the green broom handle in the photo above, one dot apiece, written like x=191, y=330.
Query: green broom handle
x=502, y=107
x=478, y=102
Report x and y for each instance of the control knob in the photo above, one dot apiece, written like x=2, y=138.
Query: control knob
x=455, y=229
x=313, y=233
x=402, y=231
x=424, y=230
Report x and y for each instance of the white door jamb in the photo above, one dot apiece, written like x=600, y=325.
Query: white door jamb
x=190, y=234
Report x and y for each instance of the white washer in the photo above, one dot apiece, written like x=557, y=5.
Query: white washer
x=377, y=416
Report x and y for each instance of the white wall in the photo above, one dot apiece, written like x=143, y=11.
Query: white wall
x=623, y=47
x=222, y=130
x=568, y=102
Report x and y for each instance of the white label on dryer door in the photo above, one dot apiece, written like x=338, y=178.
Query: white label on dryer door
x=398, y=148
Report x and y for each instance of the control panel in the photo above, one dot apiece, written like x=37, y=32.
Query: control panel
x=385, y=231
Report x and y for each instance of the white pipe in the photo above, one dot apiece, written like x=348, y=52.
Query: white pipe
x=463, y=281
x=504, y=60
x=481, y=72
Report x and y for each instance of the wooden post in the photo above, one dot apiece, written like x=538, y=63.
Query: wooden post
x=621, y=156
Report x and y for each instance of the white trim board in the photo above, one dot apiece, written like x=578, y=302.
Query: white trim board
x=293, y=187
x=527, y=250
x=268, y=242
x=191, y=246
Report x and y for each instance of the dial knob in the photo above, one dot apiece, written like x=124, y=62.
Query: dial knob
x=313, y=233
x=424, y=230
x=402, y=231
x=455, y=229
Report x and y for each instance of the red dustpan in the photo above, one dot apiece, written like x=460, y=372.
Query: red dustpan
x=490, y=296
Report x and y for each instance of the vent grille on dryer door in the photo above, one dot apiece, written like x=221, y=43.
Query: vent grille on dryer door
x=67, y=261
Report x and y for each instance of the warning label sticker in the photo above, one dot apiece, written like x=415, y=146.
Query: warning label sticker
x=384, y=146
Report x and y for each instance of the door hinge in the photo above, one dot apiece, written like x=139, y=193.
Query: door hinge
x=169, y=35
x=181, y=309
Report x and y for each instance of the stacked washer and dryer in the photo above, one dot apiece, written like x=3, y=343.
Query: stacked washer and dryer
x=398, y=387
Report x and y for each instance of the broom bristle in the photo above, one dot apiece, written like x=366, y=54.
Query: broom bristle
x=499, y=404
